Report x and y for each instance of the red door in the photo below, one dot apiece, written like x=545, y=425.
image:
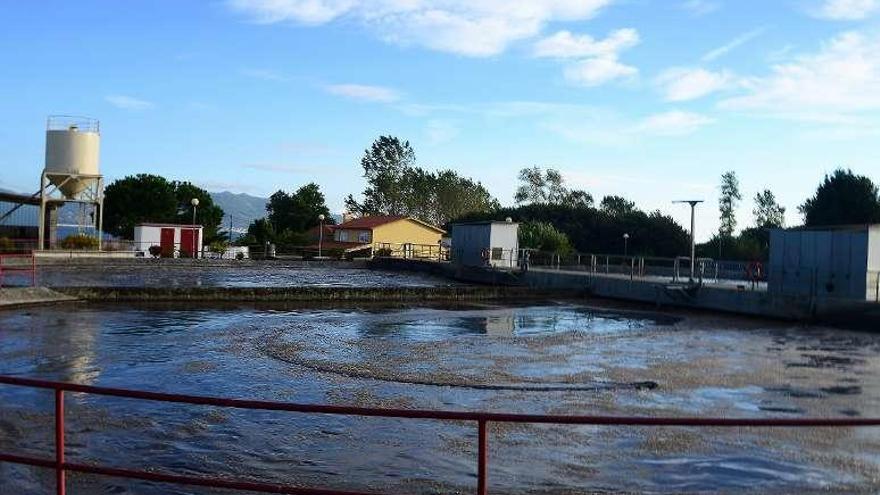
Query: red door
x=166, y=242
x=187, y=242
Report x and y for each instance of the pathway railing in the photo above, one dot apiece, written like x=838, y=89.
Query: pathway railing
x=12, y=264
x=61, y=465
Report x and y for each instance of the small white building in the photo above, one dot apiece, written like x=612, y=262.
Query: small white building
x=488, y=243
x=174, y=240
x=834, y=262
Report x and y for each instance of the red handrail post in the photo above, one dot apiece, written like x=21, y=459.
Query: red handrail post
x=483, y=458
x=60, y=485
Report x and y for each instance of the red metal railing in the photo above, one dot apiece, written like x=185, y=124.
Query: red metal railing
x=21, y=263
x=61, y=465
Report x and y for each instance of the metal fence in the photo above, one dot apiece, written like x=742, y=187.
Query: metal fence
x=430, y=252
x=482, y=419
x=18, y=265
x=706, y=270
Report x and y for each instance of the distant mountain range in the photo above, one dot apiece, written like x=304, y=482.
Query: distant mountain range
x=240, y=209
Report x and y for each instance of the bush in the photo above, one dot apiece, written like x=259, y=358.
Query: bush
x=543, y=237
x=80, y=242
x=218, y=247
x=155, y=251
x=239, y=256
x=382, y=253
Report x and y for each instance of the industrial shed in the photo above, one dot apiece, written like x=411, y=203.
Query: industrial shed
x=488, y=243
x=831, y=262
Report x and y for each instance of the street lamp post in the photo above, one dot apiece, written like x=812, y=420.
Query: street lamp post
x=195, y=204
x=321, y=218
x=625, y=243
x=693, y=203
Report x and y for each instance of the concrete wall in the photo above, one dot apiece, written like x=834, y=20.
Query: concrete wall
x=505, y=236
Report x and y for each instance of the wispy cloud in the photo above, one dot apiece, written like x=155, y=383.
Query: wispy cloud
x=465, y=27
x=439, y=132
x=701, y=7
x=684, y=83
x=362, y=92
x=128, y=102
x=264, y=74
x=673, y=123
x=847, y=10
x=734, y=44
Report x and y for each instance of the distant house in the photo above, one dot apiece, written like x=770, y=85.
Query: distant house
x=405, y=236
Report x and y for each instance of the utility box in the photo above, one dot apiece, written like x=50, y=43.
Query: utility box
x=174, y=241
x=831, y=262
x=489, y=243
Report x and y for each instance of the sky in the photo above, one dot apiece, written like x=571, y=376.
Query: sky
x=648, y=99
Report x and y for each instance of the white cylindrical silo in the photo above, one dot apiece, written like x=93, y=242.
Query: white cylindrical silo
x=72, y=148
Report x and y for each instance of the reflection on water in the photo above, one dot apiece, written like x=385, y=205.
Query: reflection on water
x=150, y=274
x=550, y=358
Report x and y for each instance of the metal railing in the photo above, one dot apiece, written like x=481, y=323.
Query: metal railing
x=435, y=252
x=677, y=269
x=18, y=263
x=61, y=465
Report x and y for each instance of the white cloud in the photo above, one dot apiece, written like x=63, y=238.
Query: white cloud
x=596, y=61
x=832, y=85
x=467, y=27
x=564, y=44
x=684, y=84
x=847, y=10
x=597, y=71
x=363, y=92
x=128, y=102
x=673, y=123
x=733, y=44
x=700, y=7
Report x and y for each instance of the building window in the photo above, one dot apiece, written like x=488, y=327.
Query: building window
x=342, y=236
x=497, y=253
x=364, y=237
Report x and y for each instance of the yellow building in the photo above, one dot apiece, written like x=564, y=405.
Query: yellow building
x=399, y=235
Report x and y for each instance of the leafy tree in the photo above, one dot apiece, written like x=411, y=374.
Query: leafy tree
x=768, y=213
x=617, y=206
x=299, y=211
x=151, y=198
x=397, y=187
x=730, y=196
x=384, y=166
x=260, y=231
x=543, y=237
x=842, y=198
x=538, y=186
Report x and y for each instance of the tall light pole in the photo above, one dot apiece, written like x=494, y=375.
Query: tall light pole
x=625, y=243
x=195, y=204
x=321, y=218
x=693, y=203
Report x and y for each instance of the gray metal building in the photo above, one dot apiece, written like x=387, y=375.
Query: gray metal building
x=488, y=243
x=832, y=262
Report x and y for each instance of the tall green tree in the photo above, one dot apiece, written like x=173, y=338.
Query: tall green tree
x=842, y=198
x=539, y=186
x=543, y=237
x=768, y=213
x=617, y=206
x=151, y=198
x=384, y=164
x=299, y=211
x=396, y=186
x=727, y=202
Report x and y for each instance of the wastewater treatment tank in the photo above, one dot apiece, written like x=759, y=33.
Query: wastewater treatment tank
x=72, y=149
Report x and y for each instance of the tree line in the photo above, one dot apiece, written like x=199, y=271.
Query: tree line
x=553, y=216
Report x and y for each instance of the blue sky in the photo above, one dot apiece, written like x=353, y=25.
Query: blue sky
x=649, y=99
